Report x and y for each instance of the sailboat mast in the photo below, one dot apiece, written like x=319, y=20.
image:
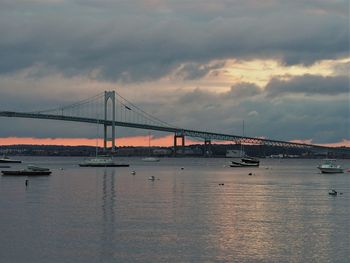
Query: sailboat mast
x=242, y=148
x=96, y=150
x=149, y=143
x=243, y=128
x=149, y=140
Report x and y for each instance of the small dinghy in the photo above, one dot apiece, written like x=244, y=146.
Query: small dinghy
x=333, y=192
x=6, y=159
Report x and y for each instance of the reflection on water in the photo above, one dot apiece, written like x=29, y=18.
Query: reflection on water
x=108, y=220
x=282, y=213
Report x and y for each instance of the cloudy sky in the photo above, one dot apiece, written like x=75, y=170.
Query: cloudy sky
x=281, y=66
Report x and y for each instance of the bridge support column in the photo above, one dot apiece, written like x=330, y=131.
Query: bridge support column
x=105, y=137
x=109, y=95
x=176, y=137
x=262, y=152
x=207, y=148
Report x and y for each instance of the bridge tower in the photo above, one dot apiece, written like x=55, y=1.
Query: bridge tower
x=109, y=95
x=182, y=137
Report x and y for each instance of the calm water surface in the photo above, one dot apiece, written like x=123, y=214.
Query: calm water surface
x=281, y=213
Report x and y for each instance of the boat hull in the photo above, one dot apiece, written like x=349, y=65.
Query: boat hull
x=9, y=161
x=104, y=165
x=250, y=161
x=242, y=164
x=331, y=170
x=25, y=173
x=150, y=159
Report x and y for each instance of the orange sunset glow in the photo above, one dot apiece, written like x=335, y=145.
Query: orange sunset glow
x=164, y=141
x=123, y=141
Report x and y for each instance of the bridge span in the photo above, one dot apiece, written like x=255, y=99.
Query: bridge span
x=123, y=113
x=179, y=133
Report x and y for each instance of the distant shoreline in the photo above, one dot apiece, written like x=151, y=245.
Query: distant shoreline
x=194, y=150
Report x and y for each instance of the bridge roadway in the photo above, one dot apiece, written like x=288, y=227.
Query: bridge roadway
x=177, y=131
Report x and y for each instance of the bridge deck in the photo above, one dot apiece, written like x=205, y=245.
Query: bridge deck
x=179, y=131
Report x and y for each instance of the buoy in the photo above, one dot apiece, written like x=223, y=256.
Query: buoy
x=333, y=192
x=26, y=182
x=182, y=168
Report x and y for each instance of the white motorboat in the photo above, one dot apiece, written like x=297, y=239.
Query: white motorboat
x=151, y=159
x=330, y=167
x=6, y=159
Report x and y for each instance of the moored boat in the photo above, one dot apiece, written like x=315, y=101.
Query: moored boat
x=26, y=173
x=151, y=159
x=251, y=160
x=102, y=162
x=31, y=170
x=246, y=162
x=330, y=167
x=243, y=164
x=6, y=159
x=37, y=168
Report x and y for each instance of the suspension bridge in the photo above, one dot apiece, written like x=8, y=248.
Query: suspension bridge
x=112, y=110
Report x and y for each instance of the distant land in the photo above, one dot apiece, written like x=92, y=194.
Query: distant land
x=194, y=150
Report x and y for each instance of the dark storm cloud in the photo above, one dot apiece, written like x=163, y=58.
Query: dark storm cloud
x=242, y=90
x=144, y=40
x=285, y=118
x=192, y=71
x=308, y=85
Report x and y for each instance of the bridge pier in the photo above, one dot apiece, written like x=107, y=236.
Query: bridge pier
x=207, y=148
x=105, y=137
x=182, y=138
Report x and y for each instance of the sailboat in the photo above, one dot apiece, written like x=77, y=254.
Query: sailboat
x=150, y=158
x=101, y=161
x=246, y=161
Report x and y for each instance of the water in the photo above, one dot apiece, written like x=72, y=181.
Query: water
x=281, y=213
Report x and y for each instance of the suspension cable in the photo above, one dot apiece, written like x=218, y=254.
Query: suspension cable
x=76, y=104
x=150, y=117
